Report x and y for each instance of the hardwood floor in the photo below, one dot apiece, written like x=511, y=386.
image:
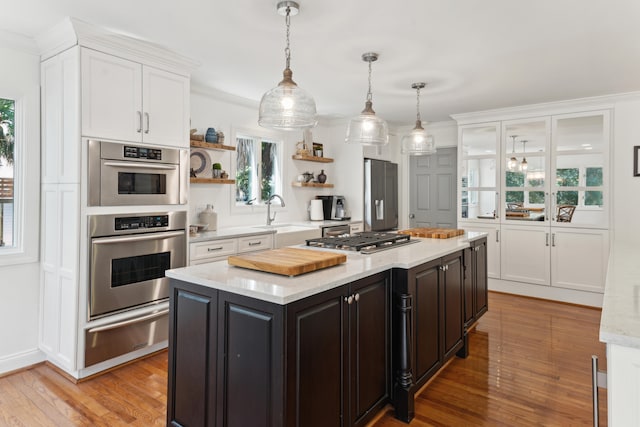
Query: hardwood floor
x=529, y=364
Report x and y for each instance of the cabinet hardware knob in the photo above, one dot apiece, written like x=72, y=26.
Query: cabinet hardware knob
x=349, y=299
x=357, y=297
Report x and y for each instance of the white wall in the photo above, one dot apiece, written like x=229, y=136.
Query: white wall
x=626, y=187
x=231, y=116
x=20, y=272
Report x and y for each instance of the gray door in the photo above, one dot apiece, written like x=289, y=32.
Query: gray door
x=432, y=189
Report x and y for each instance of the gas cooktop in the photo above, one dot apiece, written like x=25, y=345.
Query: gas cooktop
x=367, y=242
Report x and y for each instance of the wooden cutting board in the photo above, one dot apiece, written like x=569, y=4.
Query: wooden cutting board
x=287, y=261
x=433, y=233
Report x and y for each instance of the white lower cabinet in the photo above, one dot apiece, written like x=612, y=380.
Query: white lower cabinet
x=493, y=245
x=525, y=254
x=579, y=258
x=219, y=250
x=570, y=258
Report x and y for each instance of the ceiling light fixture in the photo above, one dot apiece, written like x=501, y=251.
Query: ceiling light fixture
x=513, y=162
x=524, y=165
x=367, y=128
x=286, y=106
x=418, y=143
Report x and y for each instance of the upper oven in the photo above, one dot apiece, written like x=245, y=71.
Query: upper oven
x=129, y=174
x=129, y=254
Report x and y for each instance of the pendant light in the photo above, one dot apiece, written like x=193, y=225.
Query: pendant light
x=513, y=162
x=524, y=165
x=367, y=128
x=287, y=107
x=418, y=143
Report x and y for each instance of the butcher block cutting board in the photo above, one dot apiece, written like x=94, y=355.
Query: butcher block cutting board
x=287, y=261
x=433, y=233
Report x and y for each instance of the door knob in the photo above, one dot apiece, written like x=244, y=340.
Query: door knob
x=411, y=216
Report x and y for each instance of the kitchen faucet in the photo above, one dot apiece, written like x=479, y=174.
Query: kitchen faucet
x=269, y=219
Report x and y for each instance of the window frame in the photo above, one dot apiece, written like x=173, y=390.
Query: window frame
x=258, y=135
x=26, y=183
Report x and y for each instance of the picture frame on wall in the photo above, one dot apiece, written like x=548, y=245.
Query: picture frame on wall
x=636, y=166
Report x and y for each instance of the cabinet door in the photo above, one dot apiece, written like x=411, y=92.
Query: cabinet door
x=579, y=258
x=493, y=245
x=479, y=258
x=452, y=269
x=369, y=347
x=111, y=97
x=469, y=286
x=426, y=309
x=193, y=352
x=250, y=375
x=165, y=99
x=317, y=337
x=525, y=254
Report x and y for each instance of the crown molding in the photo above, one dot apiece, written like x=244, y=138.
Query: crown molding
x=71, y=32
x=558, y=107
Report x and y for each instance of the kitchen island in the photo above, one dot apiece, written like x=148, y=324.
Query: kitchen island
x=331, y=347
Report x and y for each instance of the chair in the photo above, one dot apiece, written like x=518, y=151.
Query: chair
x=565, y=213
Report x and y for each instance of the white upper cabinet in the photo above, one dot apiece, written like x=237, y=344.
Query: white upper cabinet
x=479, y=172
x=127, y=101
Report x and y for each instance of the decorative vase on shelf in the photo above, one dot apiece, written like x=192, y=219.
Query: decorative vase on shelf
x=211, y=136
x=321, y=177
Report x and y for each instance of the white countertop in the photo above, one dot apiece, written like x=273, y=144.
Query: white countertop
x=256, y=230
x=620, y=321
x=283, y=289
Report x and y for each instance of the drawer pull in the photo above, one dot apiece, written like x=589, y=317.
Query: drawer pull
x=255, y=243
x=214, y=249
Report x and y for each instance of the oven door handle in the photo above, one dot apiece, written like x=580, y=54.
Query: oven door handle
x=137, y=237
x=128, y=322
x=137, y=165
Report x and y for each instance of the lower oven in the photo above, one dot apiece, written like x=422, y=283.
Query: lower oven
x=129, y=254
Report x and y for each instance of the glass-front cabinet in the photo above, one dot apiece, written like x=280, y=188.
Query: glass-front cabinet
x=580, y=170
x=479, y=172
x=525, y=183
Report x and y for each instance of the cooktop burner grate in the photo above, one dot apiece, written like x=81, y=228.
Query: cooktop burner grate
x=360, y=242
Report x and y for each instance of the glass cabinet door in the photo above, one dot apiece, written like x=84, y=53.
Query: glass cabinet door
x=525, y=169
x=579, y=181
x=479, y=171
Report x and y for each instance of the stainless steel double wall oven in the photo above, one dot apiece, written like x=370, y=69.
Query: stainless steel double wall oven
x=129, y=252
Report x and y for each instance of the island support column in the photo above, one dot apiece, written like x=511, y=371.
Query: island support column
x=403, y=381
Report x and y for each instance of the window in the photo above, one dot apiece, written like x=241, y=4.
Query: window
x=581, y=179
x=258, y=169
x=7, y=128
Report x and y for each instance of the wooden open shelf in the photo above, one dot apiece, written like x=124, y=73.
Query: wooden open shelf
x=312, y=158
x=311, y=184
x=211, y=181
x=210, y=146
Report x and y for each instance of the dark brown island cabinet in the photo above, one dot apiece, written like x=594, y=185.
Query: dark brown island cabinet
x=332, y=359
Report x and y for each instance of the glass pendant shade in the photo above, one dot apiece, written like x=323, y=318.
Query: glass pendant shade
x=513, y=162
x=524, y=165
x=418, y=143
x=367, y=128
x=287, y=106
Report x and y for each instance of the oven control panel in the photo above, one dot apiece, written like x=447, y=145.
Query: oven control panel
x=133, y=152
x=138, y=222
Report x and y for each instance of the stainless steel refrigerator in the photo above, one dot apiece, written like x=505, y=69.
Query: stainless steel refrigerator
x=380, y=195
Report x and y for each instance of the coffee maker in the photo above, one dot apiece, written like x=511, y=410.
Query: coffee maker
x=334, y=207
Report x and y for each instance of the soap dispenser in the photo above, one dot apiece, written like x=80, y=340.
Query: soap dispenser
x=208, y=216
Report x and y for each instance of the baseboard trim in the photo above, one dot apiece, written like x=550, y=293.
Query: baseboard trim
x=20, y=362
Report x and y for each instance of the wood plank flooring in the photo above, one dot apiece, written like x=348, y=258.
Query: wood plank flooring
x=529, y=364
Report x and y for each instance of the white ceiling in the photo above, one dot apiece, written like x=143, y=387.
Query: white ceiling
x=474, y=54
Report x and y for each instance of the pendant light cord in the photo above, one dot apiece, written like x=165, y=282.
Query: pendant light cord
x=369, y=96
x=287, y=51
x=418, y=105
